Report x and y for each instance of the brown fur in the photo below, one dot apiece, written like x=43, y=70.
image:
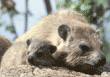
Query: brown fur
x=48, y=26
x=80, y=46
x=40, y=53
x=19, y=54
x=4, y=45
x=15, y=55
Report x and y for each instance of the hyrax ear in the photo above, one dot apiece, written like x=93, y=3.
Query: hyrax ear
x=63, y=31
x=52, y=49
x=98, y=31
x=28, y=42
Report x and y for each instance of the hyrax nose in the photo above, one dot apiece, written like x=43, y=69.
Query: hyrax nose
x=83, y=46
x=30, y=59
x=101, y=60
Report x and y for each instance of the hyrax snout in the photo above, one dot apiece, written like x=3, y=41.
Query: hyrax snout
x=34, y=52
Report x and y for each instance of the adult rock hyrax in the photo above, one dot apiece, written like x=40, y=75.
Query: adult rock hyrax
x=31, y=52
x=78, y=44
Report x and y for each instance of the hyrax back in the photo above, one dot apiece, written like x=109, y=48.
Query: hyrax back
x=47, y=27
x=4, y=45
x=33, y=52
x=76, y=40
x=15, y=55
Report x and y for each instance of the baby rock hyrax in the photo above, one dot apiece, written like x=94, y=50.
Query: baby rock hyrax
x=34, y=52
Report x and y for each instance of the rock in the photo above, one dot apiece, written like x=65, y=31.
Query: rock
x=32, y=71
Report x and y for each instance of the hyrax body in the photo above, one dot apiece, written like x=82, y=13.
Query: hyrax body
x=33, y=52
x=4, y=45
x=77, y=42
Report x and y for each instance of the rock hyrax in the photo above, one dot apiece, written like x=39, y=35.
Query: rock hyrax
x=4, y=45
x=78, y=44
x=33, y=52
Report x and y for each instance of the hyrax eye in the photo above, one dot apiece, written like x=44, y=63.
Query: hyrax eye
x=52, y=49
x=39, y=53
x=84, y=47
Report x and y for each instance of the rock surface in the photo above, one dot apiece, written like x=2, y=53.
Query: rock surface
x=40, y=71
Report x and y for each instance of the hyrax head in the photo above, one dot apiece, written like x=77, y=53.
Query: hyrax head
x=40, y=52
x=80, y=47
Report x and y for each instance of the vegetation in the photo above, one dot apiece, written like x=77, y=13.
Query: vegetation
x=8, y=6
